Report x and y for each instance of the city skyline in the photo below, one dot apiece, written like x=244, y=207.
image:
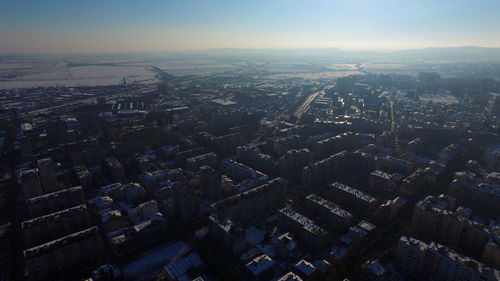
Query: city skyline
x=196, y=140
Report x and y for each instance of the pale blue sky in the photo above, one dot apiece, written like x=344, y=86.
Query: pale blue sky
x=158, y=25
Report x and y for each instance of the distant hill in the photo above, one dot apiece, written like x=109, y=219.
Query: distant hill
x=459, y=54
x=441, y=55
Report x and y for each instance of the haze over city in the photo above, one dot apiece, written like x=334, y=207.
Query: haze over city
x=292, y=140
x=56, y=26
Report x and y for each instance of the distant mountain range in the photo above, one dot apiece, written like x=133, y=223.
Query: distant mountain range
x=465, y=54
x=447, y=54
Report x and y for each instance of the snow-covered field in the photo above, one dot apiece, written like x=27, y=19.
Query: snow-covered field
x=27, y=76
x=289, y=67
x=14, y=65
x=383, y=66
x=26, y=72
x=342, y=66
x=439, y=98
x=314, y=75
x=182, y=67
x=100, y=72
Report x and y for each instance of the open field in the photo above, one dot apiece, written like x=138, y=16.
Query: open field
x=314, y=75
x=110, y=69
x=447, y=99
x=383, y=66
x=58, y=73
x=342, y=67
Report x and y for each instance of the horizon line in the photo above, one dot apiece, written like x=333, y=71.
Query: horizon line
x=237, y=48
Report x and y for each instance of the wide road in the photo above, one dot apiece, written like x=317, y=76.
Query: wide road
x=394, y=127
x=305, y=105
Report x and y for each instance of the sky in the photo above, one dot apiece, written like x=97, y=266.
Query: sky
x=88, y=26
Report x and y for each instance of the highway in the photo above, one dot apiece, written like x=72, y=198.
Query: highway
x=305, y=105
x=394, y=127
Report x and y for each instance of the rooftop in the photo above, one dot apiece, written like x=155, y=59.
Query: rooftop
x=55, y=244
x=353, y=191
x=47, y=196
x=305, y=267
x=260, y=264
x=329, y=205
x=306, y=222
x=180, y=267
x=290, y=276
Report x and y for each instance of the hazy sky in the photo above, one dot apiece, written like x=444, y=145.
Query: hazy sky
x=158, y=25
